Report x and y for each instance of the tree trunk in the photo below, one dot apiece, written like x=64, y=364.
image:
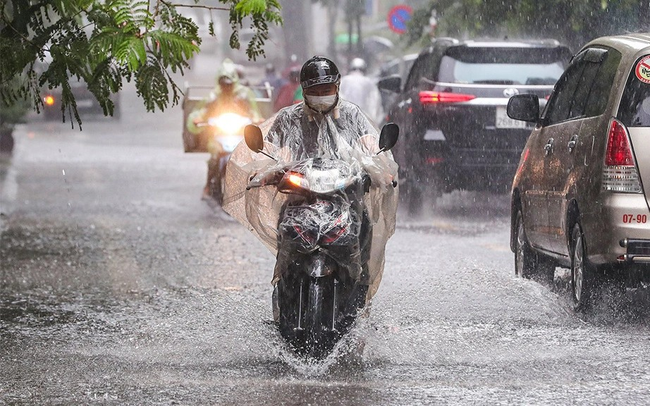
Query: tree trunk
x=332, y=15
x=296, y=37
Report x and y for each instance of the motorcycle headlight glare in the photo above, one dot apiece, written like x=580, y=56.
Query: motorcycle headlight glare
x=229, y=123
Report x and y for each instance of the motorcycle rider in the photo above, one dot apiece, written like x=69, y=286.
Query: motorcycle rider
x=228, y=96
x=361, y=90
x=323, y=125
x=273, y=80
x=290, y=92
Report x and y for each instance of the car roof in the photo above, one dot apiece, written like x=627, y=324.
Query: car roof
x=487, y=43
x=448, y=42
x=498, y=43
x=626, y=44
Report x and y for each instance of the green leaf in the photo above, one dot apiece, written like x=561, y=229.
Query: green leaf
x=105, y=42
x=248, y=7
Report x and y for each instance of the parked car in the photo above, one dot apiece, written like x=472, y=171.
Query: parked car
x=395, y=67
x=86, y=101
x=579, y=196
x=452, y=112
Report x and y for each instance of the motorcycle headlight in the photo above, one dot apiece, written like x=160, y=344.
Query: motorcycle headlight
x=229, y=123
x=319, y=181
x=323, y=181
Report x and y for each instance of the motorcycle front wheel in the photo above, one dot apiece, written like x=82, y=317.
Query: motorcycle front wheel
x=320, y=320
x=216, y=186
x=307, y=314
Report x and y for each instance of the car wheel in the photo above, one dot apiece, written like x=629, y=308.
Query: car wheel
x=583, y=276
x=410, y=196
x=528, y=263
x=414, y=203
x=6, y=141
x=524, y=255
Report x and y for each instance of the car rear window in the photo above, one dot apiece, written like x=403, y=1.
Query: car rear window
x=634, y=110
x=507, y=66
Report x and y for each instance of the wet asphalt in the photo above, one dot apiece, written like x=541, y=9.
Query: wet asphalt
x=118, y=285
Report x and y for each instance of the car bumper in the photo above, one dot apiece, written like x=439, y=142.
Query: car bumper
x=470, y=168
x=620, y=234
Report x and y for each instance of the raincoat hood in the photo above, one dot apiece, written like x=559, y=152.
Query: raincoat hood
x=228, y=70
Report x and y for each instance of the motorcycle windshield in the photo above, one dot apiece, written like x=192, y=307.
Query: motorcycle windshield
x=296, y=134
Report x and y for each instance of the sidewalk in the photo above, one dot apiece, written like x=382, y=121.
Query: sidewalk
x=8, y=187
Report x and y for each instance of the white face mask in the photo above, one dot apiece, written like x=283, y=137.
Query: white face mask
x=320, y=103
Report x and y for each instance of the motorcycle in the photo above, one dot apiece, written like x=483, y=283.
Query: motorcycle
x=324, y=238
x=226, y=133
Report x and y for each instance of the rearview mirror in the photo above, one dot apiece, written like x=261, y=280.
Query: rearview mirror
x=388, y=137
x=524, y=107
x=253, y=137
x=392, y=84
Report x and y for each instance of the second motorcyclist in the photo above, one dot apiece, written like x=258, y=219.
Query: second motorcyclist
x=228, y=96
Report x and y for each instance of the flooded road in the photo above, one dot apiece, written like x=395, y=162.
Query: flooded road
x=118, y=285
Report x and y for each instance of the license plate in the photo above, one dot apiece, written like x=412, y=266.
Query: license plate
x=503, y=121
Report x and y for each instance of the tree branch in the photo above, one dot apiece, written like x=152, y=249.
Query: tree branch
x=210, y=8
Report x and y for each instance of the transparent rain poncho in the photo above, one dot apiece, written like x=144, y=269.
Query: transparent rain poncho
x=297, y=133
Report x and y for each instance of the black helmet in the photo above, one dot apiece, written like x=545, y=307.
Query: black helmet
x=318, y=71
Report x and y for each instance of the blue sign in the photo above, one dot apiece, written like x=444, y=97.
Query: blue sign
x=398, y=17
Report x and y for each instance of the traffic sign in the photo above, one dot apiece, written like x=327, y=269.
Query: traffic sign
x=398, y=16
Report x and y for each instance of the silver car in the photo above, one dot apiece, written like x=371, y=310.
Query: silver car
x=578, y=196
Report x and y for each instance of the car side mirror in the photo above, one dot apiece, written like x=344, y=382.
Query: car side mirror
x=524, y=107
x=253, y=137
x=388, y=137
x=392, y=83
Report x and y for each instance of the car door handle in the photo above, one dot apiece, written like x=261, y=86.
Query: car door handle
x=572, y=143
x=548, y=148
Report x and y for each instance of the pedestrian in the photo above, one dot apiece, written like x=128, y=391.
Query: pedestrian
x=359, y=89
x=272, y=80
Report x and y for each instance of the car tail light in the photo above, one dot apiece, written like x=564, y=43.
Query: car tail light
x=427, y=97
x=434, y=160
x=620, y=173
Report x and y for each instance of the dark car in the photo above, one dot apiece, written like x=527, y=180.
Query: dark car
x=395, y=67
x=580, y=195
x=452, y=112
x=86, y=101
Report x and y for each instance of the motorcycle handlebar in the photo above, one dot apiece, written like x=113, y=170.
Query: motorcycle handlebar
x=272, y=178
